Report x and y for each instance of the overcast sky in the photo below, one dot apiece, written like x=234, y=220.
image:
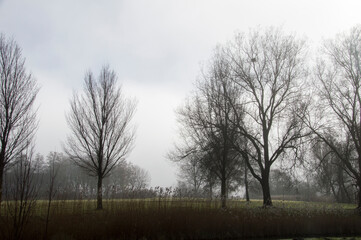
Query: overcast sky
x=156, y=47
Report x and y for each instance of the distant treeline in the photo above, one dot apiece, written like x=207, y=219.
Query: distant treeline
x=71, y=182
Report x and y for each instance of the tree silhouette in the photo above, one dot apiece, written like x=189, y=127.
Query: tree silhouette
x=99, y=119
x=18, y=122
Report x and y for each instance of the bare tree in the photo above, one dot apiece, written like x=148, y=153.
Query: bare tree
x=17, y=117
x=53, y=171
x=246, y=183
x=101, y=134
x=207, y=131
x=192, y=173
x=139, y=178
x=339, y=100
x=23, y=189
x=328, y=169
x=269, y=69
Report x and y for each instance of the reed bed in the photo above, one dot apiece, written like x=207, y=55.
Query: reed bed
x=175, y=218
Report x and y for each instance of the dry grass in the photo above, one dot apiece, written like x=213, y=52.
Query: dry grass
x=188, y=219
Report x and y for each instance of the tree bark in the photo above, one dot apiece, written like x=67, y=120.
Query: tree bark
x=246, y=181
x=267, y=201
x=223, y=193
x=1, y=183
x=359, y=180
x=100, y=194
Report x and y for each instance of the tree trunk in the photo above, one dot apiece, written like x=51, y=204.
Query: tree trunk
x=346, y=193
x=48, y=213
x=267, y=201
x=210, y=191
x=100, y=193
x=359, y=194
x=246, y=181
x=223, y=193
x=1, y=183
x=247, y=192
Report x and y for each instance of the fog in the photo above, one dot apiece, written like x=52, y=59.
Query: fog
x=157, y=49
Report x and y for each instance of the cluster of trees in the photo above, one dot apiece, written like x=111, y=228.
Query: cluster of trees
x=58, y=173
x=260, y=105
x=257, y=107
x=101, y=132
x=31, y=177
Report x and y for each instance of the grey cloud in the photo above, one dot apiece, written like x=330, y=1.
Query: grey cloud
x=152, y=45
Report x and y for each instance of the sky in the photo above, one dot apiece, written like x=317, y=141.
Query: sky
x=157, y=49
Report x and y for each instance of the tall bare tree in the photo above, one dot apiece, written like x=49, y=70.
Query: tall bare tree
x=17, y=116
x=207, y=130
x=269, y=69
x=339, y=100
x=101, y=134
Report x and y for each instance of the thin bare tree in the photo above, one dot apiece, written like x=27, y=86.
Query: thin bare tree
x=100, y=123
x=22, y=189
x=339, y=101
x=269, y=69
x=192, y=173
x=18, y=122
x=51, y=192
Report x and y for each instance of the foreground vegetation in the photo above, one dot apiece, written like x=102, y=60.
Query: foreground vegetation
x=184, y=219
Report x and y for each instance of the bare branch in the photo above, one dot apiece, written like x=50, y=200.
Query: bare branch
x=100, y=121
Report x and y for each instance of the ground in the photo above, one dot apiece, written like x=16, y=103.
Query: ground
x=161, y=218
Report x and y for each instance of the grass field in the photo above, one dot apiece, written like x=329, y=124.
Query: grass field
x=185, y=219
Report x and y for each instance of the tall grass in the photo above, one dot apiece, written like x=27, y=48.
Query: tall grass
x=175, y=218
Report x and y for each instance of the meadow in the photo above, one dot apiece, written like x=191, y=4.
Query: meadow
x=166, y=218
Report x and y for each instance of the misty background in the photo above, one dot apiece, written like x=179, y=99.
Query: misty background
x=156, y=48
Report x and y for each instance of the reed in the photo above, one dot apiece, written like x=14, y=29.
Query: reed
x=185, y=218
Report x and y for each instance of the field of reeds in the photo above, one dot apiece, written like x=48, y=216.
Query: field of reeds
x=172, y=218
